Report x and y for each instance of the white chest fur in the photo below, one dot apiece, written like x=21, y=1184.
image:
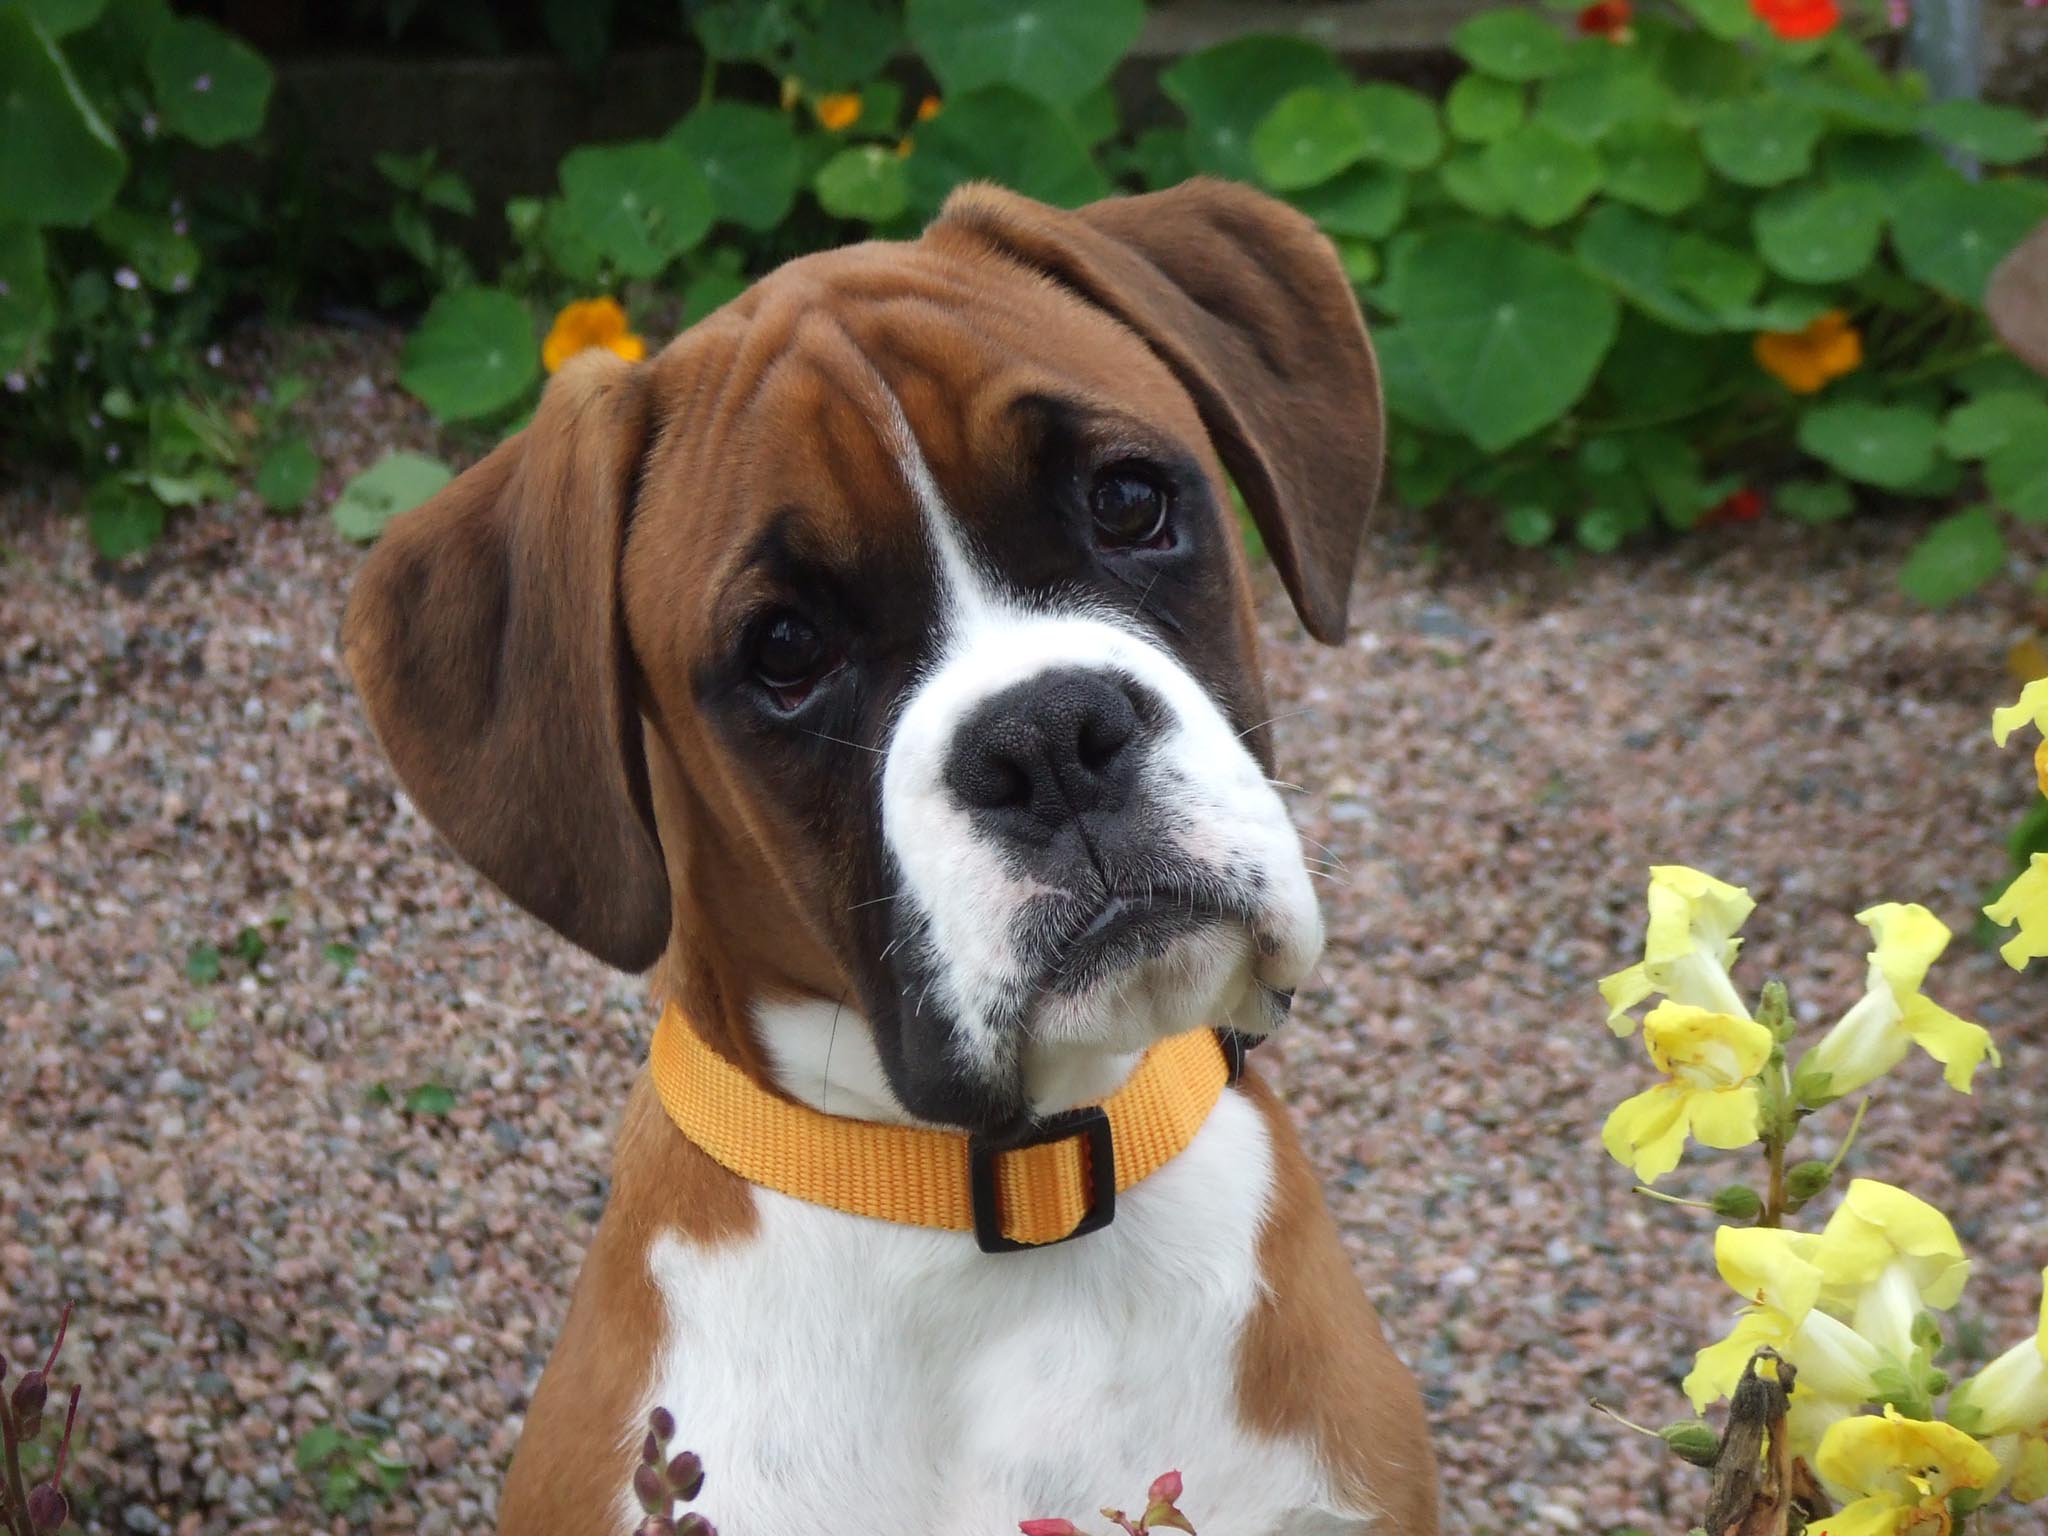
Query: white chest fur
x=838, y=1373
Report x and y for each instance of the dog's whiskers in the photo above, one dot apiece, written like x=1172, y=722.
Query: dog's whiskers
x=843, y=742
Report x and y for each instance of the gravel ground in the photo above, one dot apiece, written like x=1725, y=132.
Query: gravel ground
x=260, y=1239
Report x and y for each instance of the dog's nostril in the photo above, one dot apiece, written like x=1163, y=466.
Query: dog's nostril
x=1104, y=733
x=995, y=783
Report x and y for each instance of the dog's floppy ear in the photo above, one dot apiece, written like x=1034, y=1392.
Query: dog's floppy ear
x=1243, y=298
x=485, y=636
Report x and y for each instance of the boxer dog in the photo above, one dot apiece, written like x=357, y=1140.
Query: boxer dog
x=877, y=664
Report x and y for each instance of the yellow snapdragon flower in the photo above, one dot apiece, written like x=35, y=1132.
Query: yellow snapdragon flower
x=2025, y=902
x=1873, y=1036
x=1710, y=1061
x=1687, y=950
x=2006, y=1403
x=1885, y=1257
x=1895, y=1475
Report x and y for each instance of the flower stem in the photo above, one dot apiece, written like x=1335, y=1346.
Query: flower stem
x=14, y=1497
x=1774, y=1197
x=1658, y=1194
x=1849, y=1140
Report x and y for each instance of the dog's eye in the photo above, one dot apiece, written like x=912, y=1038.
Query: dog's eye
x=1132, y=509
x=790, y=657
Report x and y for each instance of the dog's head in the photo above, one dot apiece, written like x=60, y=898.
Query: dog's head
x=887, y=640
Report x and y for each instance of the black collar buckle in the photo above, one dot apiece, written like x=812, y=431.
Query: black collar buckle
x=1100, y=1151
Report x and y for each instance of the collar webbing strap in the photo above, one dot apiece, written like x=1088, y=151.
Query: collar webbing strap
x=1043, y=1191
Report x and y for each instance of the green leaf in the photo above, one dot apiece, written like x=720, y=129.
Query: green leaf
x=1401, y=126
x=1884, y=445
x=1606, y=87
x=1480, y=108
x=1885, y=166
x=202, y=965
x=288, y=474
x=339, y=955
x=1601, y=529
x=865, y=182
x=1365, y=202
x=709, y=291
x=394, y=484
x=1003, y=136
x=748, y=157
x=1508, y=333
x=210, y=86
x=473, y=355
x=161, y=256
x=1814, y=501
x=1996, y=135
x=60, y=18
x=59, y=163
x=1511, y=45
x=1528, y=526
x=26, y=311
x=1760, y=141
x=1055, y=50
x=1226, y=91
x=317, y=1446
x=1956, y=557
x=430, y=1099
x=846, y=43
x=1310, y=135
x=2017, y=475
x=122, y=519
x=1819, y=234
x=1411, y=397
x=1655, y=166
x=1721, y=277
x=1544, y=176
x=1980, y=427
x=1467, y=179
x=1950, y=233
x=641, y=205
x=1633, y=253
x=1729, y=20
x=1670, y=467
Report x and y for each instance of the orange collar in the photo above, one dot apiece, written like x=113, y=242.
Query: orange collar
x=1059, y=1183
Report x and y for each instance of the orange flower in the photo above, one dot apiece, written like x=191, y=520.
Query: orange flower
x=1799, y=21
x=1609, y=19
x=904, y=146
x=591, y=323
x=928, y=109
x=839, y=111
x=1804, y=361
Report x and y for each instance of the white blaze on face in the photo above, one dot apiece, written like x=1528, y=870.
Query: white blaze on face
x=965, y=909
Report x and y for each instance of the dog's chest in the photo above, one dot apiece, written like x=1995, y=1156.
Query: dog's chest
x=837, y=1372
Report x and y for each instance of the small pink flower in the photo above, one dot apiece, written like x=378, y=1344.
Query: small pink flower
x=1048, y=1528
x=1165, y=1488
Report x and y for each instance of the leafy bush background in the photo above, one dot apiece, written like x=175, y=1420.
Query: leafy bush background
x=1566, y=260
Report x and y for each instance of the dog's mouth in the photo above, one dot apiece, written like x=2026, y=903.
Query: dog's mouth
x=1087, y=941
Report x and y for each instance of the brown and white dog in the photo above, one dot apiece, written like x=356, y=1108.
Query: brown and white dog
x=879, y=658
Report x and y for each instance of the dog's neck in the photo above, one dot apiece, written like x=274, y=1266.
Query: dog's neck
x=822, y=1053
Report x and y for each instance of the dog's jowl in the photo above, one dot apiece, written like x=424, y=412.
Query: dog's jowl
x=877, y=664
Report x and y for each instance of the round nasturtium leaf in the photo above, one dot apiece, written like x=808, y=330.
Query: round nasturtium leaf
x=1003, y=136
x=2017, y=475
x=210, y=86
x=1888, y=167
x=1055, y=50
x=1719, y=276
x=1310, y=135
x=1760, y=141
x=1655, y=166
x=1980, y=427
x=26, y=314
x=1363, y=203
x=287, y=474
x=396, y=483
x=747, y=155
x=1401, y=126
x=865, y=182
x=1603, y=89
x=1814, y=501
x=1819, y=234
x=1467, y=178
x=1226, y=91
x=1480, y=108
x=1997, y=135
x=1410, y=395
x=1508, y=333
x=1729, y=20
x=1885, y=445
x=1956, y=557
x=1633, y=253
x=1512, y=45
x=1544, y=176
x=1950, y=233
x=640, y=205
x=474, y=354
x=59, y=163
x=122, y=519
x=1528, y=525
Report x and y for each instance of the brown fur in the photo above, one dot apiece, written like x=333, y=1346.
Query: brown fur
x=533, y=647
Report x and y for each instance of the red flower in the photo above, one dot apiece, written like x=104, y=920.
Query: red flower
x=1608, y=19
x=1743, y=506
x=1799, y=21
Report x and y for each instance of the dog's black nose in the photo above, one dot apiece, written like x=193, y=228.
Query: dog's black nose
x=1047, y=750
